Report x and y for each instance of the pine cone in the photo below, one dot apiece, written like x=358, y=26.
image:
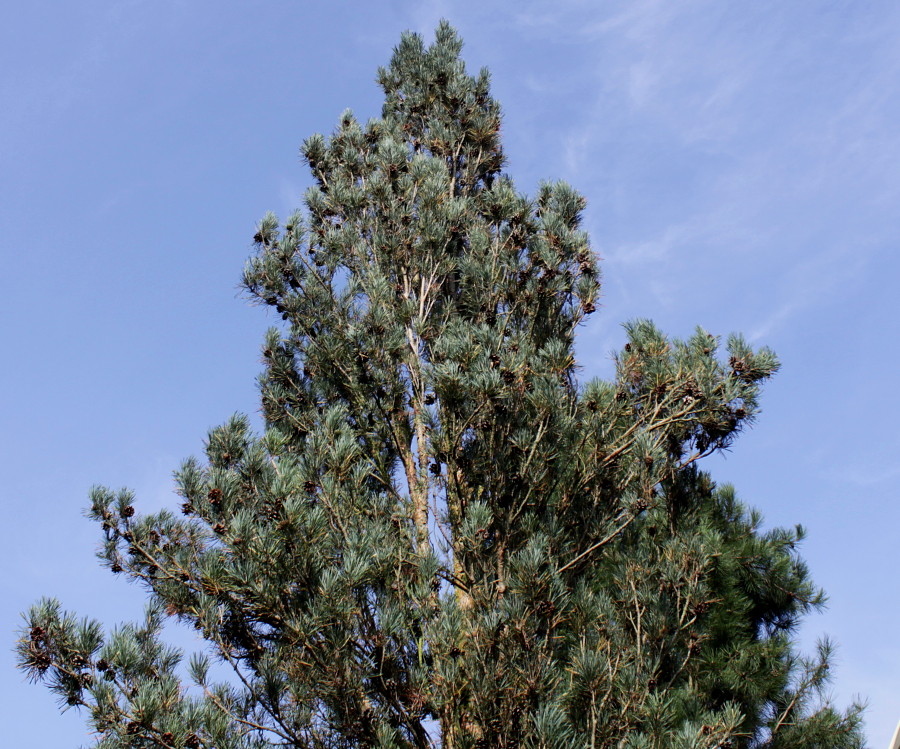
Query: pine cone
x=41, y=660
x=638, y=506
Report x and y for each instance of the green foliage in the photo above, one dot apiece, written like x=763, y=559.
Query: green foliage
x=443, y=538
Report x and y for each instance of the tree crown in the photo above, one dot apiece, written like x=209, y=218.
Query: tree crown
x=442, y=537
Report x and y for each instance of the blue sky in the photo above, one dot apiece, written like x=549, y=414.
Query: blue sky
x=742, y=167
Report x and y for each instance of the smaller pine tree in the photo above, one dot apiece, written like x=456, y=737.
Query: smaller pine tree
x=442, y=538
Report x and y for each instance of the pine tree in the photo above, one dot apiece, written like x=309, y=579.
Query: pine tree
x=442, y=538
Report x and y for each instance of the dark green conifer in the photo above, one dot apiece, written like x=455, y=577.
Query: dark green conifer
x=442, y=538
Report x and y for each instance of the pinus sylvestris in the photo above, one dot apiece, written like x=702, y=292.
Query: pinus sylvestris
x=442, y=537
